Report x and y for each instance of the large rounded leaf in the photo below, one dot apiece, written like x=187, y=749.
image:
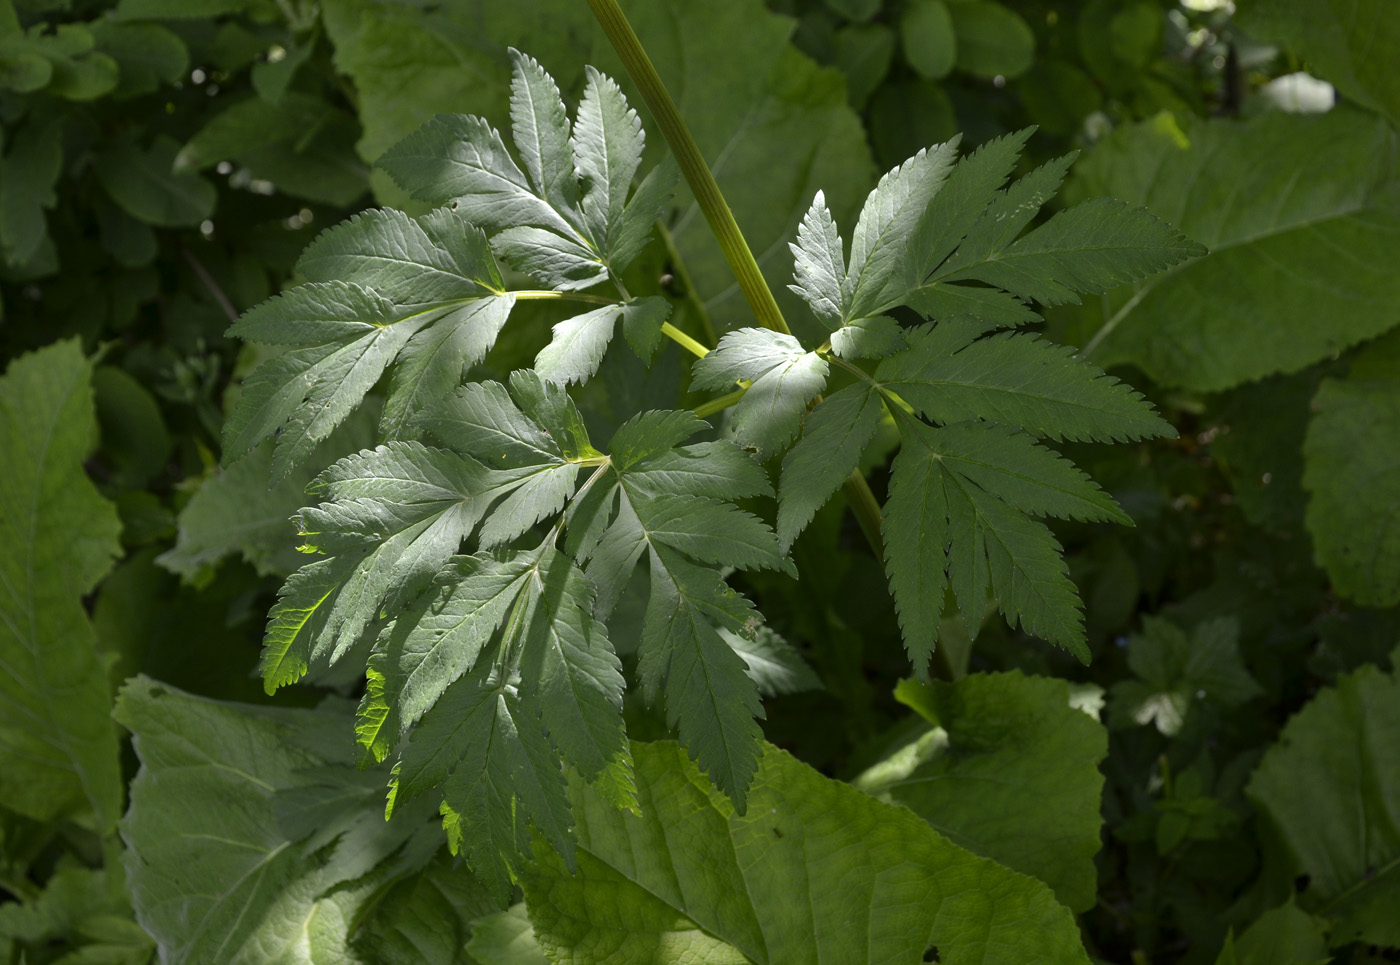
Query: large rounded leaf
x=814, y=871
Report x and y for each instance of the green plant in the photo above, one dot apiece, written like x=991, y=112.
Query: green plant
x=1187, y=797
x=481, y=668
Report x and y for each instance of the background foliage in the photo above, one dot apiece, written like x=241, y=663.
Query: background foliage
x=1217, y=785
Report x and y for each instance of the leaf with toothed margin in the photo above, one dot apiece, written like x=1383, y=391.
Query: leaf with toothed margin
x=784, y=377
x=608, y=142
x=834, y=434
x=949, y=374
x=959, y=515
x=382, y=285
x=390, y=520
x=488, y=719
x=814, y=871
x=540, y=129
x=819, y=265
x=580, y=342
x=879, y=271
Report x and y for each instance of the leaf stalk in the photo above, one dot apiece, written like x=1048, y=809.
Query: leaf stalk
x=692, y=164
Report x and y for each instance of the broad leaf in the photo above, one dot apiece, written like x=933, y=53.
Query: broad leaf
x=1285, y=935
x=1291, y=242
x=250, y=836
x=814, y=871
x=1341, y=831
x=1349, y=44
x=1008, y=769
x=58, y=749
x=1352, y=469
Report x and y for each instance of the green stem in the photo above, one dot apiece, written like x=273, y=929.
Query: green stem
x=684, y=340
x=718, y=405
x=692, y=164
x=721, y=219
x=547, y=295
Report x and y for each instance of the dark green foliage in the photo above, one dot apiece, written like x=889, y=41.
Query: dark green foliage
x=528, y=562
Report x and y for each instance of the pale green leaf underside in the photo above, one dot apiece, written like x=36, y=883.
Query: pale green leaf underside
x=784, y=377
x=815, y=871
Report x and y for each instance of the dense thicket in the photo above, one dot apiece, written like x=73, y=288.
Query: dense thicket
x=1203, y=765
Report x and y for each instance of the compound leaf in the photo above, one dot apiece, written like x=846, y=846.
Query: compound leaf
x=819, y=265
x=608, y=142
x=881, y=263
x=834, y=434
x=540, y=129
x=410, y=261
x=580, y=342
x=462, y=159
x=941, y=520
x=950, y=375
x=1092, y=247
